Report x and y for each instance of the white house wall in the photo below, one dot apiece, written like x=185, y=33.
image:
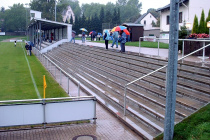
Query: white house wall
x=195, y=8
x=149, y=18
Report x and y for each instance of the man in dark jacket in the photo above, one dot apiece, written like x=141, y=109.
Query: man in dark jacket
x=27, y=46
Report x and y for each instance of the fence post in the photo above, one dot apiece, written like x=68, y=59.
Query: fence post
x=182, y=50
x=68, y=85
x=79, y=89
x=44, y=115
x=158, y=47
x=94, y=110
x=55, y=72
x=125, y=99
x=47, y=63
x=203, y=52
x=139, y=44
x=60, y=76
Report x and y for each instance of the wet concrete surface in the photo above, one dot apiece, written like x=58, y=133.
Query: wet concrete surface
x=151, y=52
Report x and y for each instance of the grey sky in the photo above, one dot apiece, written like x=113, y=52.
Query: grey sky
x=146, y=4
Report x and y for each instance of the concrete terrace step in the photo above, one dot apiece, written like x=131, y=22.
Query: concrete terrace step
x=163, y=94
x=157, y=100
x=182, y=91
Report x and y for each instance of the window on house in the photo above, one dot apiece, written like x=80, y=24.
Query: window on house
x=32, y=14
x=145, y=22
x=180, y=17
x=167, y=20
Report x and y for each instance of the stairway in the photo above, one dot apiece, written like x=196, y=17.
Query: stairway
x=104, y=73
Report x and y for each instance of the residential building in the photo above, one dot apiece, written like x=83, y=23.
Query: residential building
x=187, y=11
x=67, y=14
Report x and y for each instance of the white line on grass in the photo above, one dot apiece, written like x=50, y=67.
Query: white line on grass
x=32, y=77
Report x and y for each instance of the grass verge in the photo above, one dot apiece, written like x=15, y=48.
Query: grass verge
x=195, y=127
x=16, y=82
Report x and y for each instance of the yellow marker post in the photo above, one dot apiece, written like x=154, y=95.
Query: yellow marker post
x=44, y=84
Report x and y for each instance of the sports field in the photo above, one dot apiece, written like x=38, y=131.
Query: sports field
x=16, y=81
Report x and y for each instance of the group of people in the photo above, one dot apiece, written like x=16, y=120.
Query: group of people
x=117, y=37
x=28, y=48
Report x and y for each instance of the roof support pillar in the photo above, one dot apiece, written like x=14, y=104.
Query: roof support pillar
x=172, y=71
x=40, y=34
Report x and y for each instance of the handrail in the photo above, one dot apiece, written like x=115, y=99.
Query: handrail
x=48, y=99
x=58, y=67
x=203, y=40
x=126, y=85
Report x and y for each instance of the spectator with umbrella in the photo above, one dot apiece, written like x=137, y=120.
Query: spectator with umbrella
x=122, y=39
x=99, y=36
x=106, y=38
x=83, y=34
x=115, y=39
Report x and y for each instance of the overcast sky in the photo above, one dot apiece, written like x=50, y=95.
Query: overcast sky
x=146, y=4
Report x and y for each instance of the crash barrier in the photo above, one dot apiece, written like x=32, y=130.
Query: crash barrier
x=45, y=111
x=183, y=45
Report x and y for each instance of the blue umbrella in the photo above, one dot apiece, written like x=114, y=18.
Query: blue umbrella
x=83, y=29
x=99, y=33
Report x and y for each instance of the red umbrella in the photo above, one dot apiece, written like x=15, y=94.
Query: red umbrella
x=126, y=32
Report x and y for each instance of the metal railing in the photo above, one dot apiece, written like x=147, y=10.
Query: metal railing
x=42, y=56
x=183, y=45
x=126, y=85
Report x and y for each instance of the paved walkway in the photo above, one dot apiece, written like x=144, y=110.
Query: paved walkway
x=152, y=52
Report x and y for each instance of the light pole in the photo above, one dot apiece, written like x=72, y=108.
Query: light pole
x=208, y=25
x=55, y=10
x=26, y=21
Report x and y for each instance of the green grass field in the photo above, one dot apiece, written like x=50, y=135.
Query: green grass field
x=195, y=127
x=16, y=82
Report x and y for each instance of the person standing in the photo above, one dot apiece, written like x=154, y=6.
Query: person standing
x=27, y=47
x=123, y=41
x=106, y=38
x=73, y=36
x=15, y=43
x=115, y=39
x=83, y=36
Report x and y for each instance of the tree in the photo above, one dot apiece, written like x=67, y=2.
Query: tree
x=119, y=16
x=71, y=20
x=202, y=25
x=108, y=17
x=195, y=25
x=207, y=20
x=66, y=21
x=15, y=18
x=2, y=9
x=153, y=12
x=130, y=10
x=46, y=7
